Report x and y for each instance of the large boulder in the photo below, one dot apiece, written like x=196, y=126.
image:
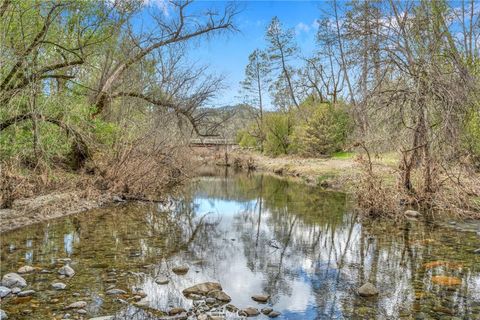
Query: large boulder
x=367, y=290
x=11, y=280
x=202, y=288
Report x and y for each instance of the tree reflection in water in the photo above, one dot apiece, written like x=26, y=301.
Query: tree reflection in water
x=255, y=235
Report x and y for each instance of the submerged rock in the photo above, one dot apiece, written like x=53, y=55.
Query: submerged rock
x=251, y=312
x=267, y=310
x=26, y=269
x=11, y=280
x=76, y=305
x=273, y=314
x=26, y=293
x=162, y=280
x=175, y=311
x=59, y=286
x=262, y=298
x=367, y=290
x=202, y=288
x=446, y=281
x=3, y=315
x=66, y=271
x=219, y=295
x=4, y=291
x=180, y=270
x=115, y=291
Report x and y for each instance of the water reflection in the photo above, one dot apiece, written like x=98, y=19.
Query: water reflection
x=255, y=235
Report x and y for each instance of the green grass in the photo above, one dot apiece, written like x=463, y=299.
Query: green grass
x=343, y=155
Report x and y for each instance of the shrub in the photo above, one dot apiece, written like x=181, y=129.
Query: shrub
x=278, y=127
x=325, y=132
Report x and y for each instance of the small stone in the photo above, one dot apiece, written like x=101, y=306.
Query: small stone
x=162, y=280
x=231, y=308
x=4, y=291
x=115, y=291
x=76, y=305
x=26, y=269
x=210, y=301
x=251, y=312
x=102, y=318
x=412, y=214
x=16, y=290
x=367, y=290
x=267, y=310
x=3, y=315
x=67, y=316
x=273, y=314
x=262, y=298
x=26, y=293
x=81, y=311
x=477, y=251
x=219, y=295
x=13, y=280
x=180, y=270
x=66, y=271
x=175, y=311
x=59, y=286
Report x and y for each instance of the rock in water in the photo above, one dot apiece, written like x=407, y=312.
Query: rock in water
x=477, y=251
x=202, y=288
x=66, y=271
x=412, y=214
x=180, y=270
x=76, y=305
x=4, y=291
x=251, y=312
x=262, y=298
x=3, y=315
x=116, y=291
x=11, y=280
x=220, y=296
x=176, y=311
x=267, y=310
x=26, y=269
x=273, y=314
x=59, y=286
x=162, y=280
x=26, y=293
x=367, y=290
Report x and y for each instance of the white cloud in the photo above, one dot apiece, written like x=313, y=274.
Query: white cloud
x=302, y=27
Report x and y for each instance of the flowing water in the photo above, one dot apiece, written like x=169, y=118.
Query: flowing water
x=253, y=234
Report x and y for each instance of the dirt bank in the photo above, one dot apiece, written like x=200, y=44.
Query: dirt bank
x=58, y=204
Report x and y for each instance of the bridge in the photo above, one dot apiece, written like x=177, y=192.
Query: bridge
x=212, y=142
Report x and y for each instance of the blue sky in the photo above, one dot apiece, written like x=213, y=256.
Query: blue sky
x=227, y=54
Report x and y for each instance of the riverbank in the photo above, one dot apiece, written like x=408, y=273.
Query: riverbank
x=24, y=212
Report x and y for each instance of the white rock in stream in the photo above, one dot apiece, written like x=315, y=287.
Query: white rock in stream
x=66, y=271
x=4, y=291
x=59, y=286
x=13, y=280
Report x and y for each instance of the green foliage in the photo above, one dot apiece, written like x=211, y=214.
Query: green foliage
x=324, y=132
x=278, y=129
x=472, y=135
x=246, y=140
